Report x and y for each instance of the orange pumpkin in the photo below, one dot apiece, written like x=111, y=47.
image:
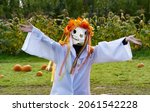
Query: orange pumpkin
x=39, y=73
x=43, y=67
x=140, y=65
x=17, y=67
x=27, y=68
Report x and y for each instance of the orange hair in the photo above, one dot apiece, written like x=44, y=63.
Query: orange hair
x=72, y=24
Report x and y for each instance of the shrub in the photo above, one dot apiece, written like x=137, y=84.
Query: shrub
x=106, y=29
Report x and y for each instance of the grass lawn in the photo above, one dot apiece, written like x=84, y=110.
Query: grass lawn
x=107, y=78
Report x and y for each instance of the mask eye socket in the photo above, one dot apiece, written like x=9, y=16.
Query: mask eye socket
x=74, y=31
x=85, y=32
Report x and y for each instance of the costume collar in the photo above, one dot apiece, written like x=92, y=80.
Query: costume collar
x=83, y=55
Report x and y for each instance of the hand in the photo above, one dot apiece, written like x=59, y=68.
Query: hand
x=132, y=39
x=26, y=28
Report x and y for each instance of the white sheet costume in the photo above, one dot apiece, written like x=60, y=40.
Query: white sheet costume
x=38, y=44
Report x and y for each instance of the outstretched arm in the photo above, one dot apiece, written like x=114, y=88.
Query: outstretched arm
x=117, y=50
x=26, y=28
x=38, y=44
x=133, y=40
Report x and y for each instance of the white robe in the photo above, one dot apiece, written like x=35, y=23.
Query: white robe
x=38, y=44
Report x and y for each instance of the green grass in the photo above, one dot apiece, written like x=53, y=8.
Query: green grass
x=23, y=82
x=107, y=78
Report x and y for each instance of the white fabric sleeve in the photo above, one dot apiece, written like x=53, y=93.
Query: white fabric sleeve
x=38, y=44
x=112, y=51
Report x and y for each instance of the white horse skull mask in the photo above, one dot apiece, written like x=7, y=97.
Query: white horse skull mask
x=78, y=35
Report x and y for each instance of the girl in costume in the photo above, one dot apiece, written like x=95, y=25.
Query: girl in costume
x=74, y=55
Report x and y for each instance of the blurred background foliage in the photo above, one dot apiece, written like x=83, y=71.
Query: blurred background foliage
x=111, y=19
